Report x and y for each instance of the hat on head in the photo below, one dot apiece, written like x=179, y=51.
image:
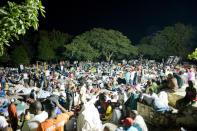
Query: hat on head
x=120, y=89
x=128, y=121
x=13, y=99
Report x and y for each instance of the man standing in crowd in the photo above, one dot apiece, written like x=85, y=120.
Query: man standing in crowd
x=40, y=116
x=69, y=96
x=13, y=114
x=54, y=123
x=3, y=80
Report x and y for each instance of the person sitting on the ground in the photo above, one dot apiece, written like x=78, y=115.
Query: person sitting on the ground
x=127, y=125
x=172, y=83
x=179, y=79
x=54, y=123
x=101, y=105
x=138, y=119
x=131, y=103
x=153, y=101
x=122, y=94
x=33, y=94
x=189, y=97
x=116, y=114
x=148, y=98
x=109, y=110
x=62, y=100
x=40, y=116
x=155, y=86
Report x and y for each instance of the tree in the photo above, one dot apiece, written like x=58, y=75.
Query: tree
x=174, y=40
x=105, y=43
x=52, y=42
x=5, y=58
x=193, y=55
x=15, y=19
x=145, y=48
x=79, y=49
x=57, y=40
x=45, y=51
x=30, y=42
x=19, y=55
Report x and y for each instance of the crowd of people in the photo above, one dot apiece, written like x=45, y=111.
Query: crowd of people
x=83, y=96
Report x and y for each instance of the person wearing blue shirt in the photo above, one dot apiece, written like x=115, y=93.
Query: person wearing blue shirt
x=128, y=125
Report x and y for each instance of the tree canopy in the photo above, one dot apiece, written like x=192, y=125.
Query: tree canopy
x=51, y=44
x=45, y=51
x=100, y=42
x=19, y=55
x=174, y=40
x=15, y=19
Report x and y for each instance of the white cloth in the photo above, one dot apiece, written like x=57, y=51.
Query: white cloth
x=3, y=123
x=140, y=121
x=32, y=124
x=21, y=67
x=62, y=87
x=43, y=94
x=83, y=93
x=116, y=116
x=47, y=73
x=163, y=96
x=25, y=76
x=24, y=90
x=89, y=118
x=148, y=99
x=193, y=76
x=132, y=75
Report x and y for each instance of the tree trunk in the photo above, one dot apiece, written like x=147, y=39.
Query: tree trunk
x=108, y=57
x=141, y=57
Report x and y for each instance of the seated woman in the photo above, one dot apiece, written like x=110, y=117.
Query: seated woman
x=189, y=97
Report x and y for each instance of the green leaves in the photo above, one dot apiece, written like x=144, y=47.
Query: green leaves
x=172, y=40
x=193, y=55
x=19, y=55
x=100, y=42
x=16, y=18
x=51, y=45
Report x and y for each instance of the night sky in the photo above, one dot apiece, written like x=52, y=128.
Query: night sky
x=134, y=18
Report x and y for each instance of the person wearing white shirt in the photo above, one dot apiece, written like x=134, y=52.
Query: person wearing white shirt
x=132, y=75
x=83, y=93
x=40, y=116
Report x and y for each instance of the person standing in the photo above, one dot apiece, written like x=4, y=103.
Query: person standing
x=26, y=79
x=3, y=80
x=40, y=116
x=127, y=78
x=82, y=92
x=54, y=122
x=69, y=96
x=13, y=114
